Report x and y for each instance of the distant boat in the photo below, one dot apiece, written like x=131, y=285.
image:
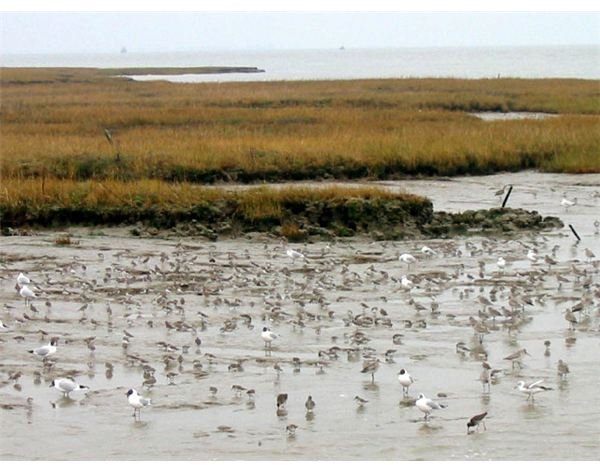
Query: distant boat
x=123, y=50
x=342, y=48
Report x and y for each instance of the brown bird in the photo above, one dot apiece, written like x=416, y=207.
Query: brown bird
x=309, y=404
x=475, y=421
x=281, y=400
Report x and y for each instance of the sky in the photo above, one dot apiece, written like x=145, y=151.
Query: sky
x=170, y=31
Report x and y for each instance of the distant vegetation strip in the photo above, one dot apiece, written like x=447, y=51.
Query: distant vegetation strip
x=158, y=71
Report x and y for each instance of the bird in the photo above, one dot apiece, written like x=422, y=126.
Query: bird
x=281, y=400
x=501, y=263
x=27, y=294
x=516, y=357
x=532, y=256
x=45, y=350
x=67, y=386
x=360, y=401
x=291, y=429
x=370, y=366
x=428, y=251
x=485, y=378
x=475, y=421
x=567, y=203
x=309, y=404
x=426, y=405
x=23, y=280
x=294, y=254
x=137, y=402
x=405, y=380
x=406, y=283
x=563, y=369
x=407, y=258
x=3, y=326
x=268, y=336
x=532, y=389
x=589, y=255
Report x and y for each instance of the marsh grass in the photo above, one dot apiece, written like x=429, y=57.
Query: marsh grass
x=52, y=126
x=90, y=202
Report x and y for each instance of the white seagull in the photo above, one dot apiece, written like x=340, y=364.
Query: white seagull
x=268, y=336
x=426, y=405
x=294, y=254
x=428, y=251
x=27, y=294
x=501, y=263
x=406, y=283
x=45, y=350
x=22, y=280
x=67, y=386
x=568, y=203
x=407, y=258
x=405, y=380
x=532, y=389
x=532, y=256
x=137, y=402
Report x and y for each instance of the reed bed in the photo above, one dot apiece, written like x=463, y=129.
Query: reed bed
x=53, y=120
x=52, y=202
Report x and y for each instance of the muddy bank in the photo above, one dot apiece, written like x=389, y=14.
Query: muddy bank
x=381, y=219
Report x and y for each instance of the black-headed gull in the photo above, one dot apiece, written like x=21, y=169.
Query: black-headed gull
x=45, y=350
x=268, y=336
x=67, y=386
x=137, y=402
x=405, y=380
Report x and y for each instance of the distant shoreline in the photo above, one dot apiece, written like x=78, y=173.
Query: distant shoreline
x=158, y=71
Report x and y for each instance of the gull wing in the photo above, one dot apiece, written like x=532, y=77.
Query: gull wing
x=535, y=384
x=433, y=404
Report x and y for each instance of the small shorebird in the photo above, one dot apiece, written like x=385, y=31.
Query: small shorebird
x=309, y=404
x=370, y=366
x=516, y=357
x=291, y=429
x=281, y=400
x=360, y=401
x=532, y=389
x=426, y=405
x=475, y=421
x=563, y=369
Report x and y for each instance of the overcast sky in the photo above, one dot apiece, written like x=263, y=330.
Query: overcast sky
x=88, y=32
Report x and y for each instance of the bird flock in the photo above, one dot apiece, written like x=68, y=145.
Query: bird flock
x=204, y=314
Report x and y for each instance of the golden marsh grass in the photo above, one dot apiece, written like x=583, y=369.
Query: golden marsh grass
x=53, y=120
